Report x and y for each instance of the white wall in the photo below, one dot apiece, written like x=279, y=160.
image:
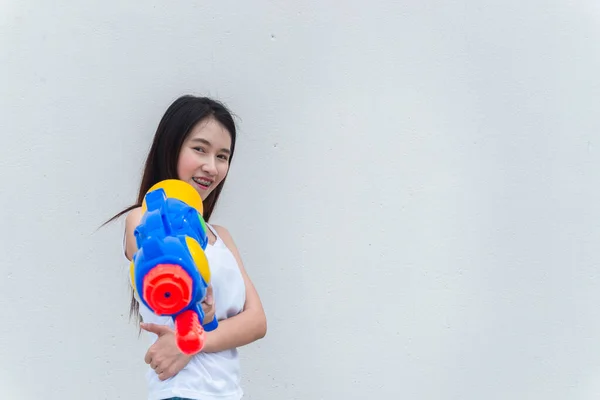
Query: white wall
x=432, y=169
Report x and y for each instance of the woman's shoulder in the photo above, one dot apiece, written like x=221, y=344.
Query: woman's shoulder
x=229, y=243
x=133, y=216
x=227, y=239
x=223, y=234
x=132, y=220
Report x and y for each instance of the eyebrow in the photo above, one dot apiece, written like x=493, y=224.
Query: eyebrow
x=206, y=142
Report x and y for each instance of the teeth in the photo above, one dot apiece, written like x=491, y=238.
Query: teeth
x=202, y=182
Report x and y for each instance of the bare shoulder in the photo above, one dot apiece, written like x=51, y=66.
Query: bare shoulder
x=133, y=219
x=131, y=222
x=222, y=231
x=225, y=235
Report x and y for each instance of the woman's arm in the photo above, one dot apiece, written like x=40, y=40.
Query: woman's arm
x=249, y=325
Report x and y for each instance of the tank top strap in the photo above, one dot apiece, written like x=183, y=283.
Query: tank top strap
x=214, y=231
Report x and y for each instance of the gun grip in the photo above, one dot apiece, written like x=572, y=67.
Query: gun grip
x=189, y=332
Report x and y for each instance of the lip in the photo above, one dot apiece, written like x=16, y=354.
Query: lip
x=201, y=186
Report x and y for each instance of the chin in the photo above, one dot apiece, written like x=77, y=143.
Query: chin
x=204, y=194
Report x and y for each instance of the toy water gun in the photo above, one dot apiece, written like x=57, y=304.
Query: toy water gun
x=169, y=271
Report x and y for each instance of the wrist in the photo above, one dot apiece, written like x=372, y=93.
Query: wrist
x=209, y=342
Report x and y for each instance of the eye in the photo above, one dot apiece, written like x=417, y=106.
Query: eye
x=223, y=157
x=199, y=149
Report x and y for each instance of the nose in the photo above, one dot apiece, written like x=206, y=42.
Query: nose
x=210, y=167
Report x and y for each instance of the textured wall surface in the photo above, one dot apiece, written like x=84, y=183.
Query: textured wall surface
x=415, y=192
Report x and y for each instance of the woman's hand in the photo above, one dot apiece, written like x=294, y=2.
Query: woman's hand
x=208, y=306
x=164, y=357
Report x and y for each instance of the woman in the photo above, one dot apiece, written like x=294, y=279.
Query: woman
x=195, y=142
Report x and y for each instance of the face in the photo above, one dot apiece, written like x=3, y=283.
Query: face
x=204, y=157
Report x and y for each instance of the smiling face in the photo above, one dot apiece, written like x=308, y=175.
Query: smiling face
x=204, y=157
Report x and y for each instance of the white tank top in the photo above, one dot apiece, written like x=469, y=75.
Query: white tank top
x=208, y=376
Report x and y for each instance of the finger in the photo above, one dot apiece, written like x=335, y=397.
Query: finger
x=148, y=357
x=156, y=328
x=162, y=373
x=209, y=296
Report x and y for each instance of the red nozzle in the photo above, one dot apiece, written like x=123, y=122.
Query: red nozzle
x=189, y=332
x=167, y=288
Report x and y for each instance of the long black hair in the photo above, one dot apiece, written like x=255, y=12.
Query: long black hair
x=174, y=127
